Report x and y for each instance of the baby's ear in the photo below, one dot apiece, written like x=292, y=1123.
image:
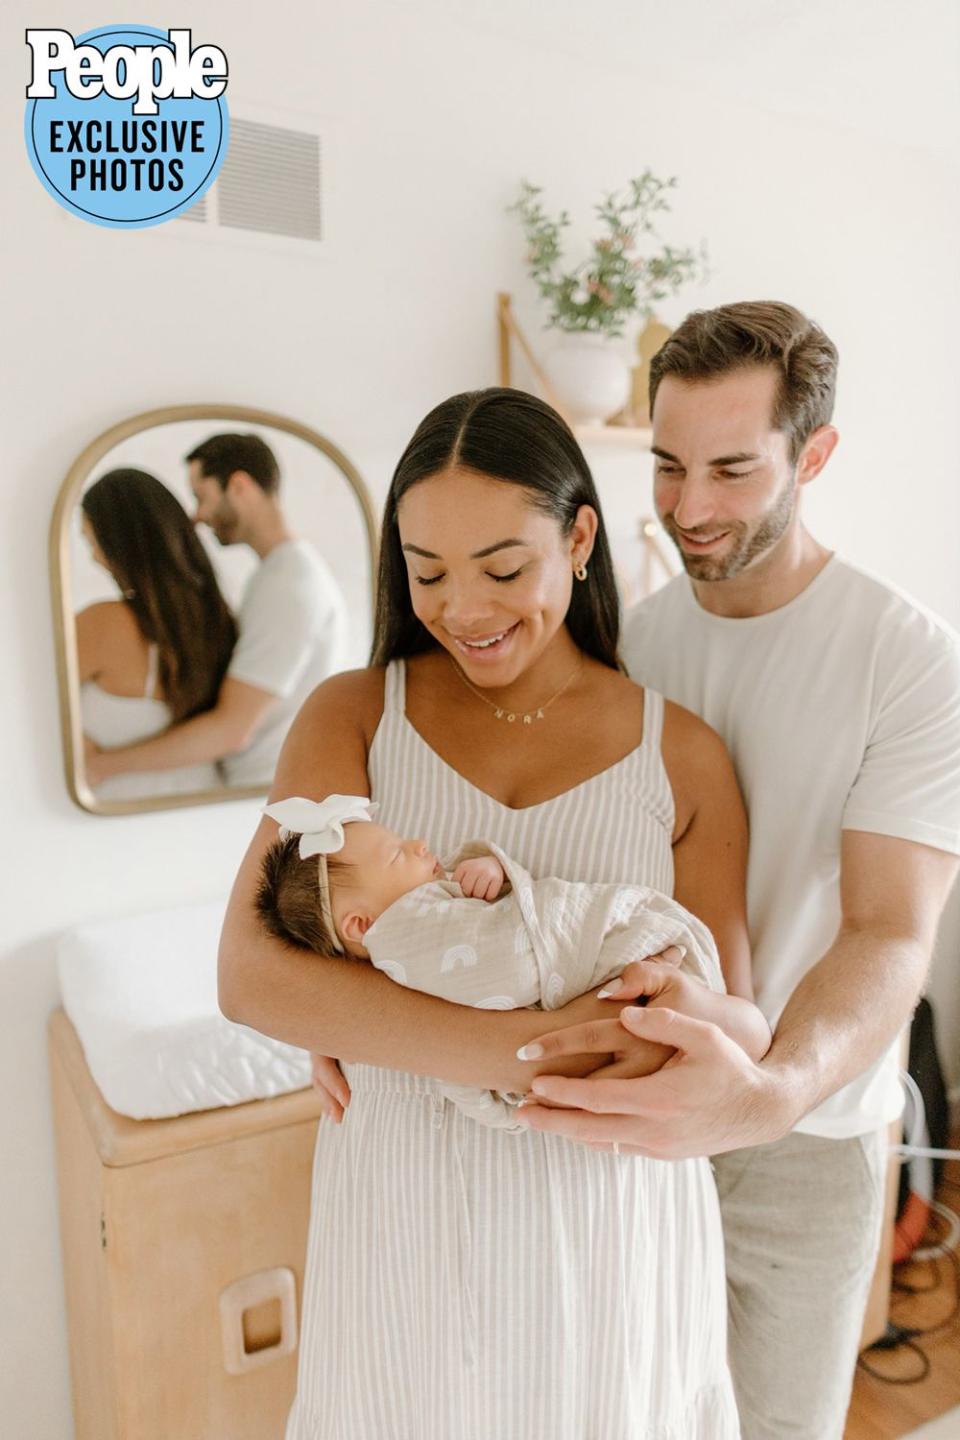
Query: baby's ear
x=355, y=925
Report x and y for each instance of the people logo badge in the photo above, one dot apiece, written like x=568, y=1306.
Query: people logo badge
x=126, y=126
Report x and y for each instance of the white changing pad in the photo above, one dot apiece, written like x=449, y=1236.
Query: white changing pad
x=142, y=995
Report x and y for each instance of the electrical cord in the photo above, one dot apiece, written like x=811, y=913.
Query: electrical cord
x=900, y=1337
x=896, y=1338
x=902, y=1287
x=914, y=1125
x=945, y=1324
x=948, y=1244
x=914, y=1122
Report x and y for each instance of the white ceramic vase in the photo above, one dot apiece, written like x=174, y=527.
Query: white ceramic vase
x=590, y=378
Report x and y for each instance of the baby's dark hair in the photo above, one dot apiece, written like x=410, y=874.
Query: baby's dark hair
x=288, y=896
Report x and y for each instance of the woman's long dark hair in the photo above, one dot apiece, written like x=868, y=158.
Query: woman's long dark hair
x=166, y=577
x=511, y=436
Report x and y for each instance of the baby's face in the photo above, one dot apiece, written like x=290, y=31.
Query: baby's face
x=387, y=865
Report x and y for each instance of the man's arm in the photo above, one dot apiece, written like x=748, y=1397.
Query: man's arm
x=850, y=1007
x=223, y=730
x=844, y=1013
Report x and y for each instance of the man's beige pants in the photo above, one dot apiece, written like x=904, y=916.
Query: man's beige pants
x=801, y=1222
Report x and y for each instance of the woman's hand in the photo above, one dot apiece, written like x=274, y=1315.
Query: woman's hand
x=657, y=985
x=330, y=1084
x=657, y=980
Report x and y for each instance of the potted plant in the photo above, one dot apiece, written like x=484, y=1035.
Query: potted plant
x=627, y=271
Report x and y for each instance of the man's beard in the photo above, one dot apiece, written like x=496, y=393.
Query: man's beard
x=224, y=524
x=747, y=544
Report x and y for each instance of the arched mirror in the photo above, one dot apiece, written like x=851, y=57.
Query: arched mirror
x=210, y=565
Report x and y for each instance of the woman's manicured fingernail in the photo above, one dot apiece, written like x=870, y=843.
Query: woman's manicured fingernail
x=680, y=949
x=530, y=1052
x=613, y=988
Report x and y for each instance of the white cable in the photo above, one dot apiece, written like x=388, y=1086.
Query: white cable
x=949, y=1241
x=914, y=1125
x=924, y=1152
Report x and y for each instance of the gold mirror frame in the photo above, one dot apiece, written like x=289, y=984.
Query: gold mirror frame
x=64, y=627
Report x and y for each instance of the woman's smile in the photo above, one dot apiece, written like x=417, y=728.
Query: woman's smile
x=485, y=648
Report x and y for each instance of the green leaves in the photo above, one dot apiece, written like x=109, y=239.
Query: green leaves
x=615, y=281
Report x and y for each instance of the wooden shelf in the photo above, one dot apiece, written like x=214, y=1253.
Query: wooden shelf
x=633, y=437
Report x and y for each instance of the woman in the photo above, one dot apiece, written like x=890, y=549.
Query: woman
x=464, y=1283
x=159, y=654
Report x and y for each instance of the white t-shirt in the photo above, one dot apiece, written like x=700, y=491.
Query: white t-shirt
x=293, y=633
x=841, y=711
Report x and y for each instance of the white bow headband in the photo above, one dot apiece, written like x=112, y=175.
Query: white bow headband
x=319, y=823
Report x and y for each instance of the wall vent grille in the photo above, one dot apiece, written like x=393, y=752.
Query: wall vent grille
x=269, y=184
x=198, y=213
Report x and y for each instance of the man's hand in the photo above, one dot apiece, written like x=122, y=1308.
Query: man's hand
x=708, y=1097
x=93, y=770
x=481, y=878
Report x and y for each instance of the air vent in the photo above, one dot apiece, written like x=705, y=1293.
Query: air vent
x=269, y=184
x=198, y=213
x=270, y=181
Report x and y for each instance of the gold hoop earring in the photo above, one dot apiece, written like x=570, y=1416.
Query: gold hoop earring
x=580, y=571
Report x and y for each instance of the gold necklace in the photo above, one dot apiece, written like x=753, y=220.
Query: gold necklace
x=500, y=712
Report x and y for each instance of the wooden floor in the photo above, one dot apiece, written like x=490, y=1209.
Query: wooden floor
x=881, y=1411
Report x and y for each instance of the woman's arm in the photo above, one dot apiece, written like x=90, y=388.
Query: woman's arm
x=710, y=846
x=335, y=1006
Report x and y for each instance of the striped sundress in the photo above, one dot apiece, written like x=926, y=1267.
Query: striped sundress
x=467, y=1283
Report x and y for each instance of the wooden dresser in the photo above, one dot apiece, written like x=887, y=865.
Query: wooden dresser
x=183, y=1251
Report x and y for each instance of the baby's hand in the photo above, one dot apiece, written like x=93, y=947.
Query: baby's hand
x=482, y=878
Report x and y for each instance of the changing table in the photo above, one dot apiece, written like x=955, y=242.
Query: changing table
x=183, y=1249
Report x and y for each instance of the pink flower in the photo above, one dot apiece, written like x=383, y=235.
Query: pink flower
x=601, y=291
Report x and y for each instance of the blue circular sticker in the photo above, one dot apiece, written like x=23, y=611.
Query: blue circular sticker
x=126, y=126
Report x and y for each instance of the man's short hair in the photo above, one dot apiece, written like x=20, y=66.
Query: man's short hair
x=760, y=333
x=222, y=455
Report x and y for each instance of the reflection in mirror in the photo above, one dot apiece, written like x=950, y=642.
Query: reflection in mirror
x=211, y=567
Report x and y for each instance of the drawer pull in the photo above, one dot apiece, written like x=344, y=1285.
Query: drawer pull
x=258, y=1319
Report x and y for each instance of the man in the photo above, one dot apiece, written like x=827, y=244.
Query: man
x=839, y=701
x=292, y=622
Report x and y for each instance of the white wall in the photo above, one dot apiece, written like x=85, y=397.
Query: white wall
x=815, y=148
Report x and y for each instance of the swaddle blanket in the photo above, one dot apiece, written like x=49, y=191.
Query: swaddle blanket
x=542, y=943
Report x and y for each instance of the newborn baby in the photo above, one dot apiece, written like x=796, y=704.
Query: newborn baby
x=485, y=933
